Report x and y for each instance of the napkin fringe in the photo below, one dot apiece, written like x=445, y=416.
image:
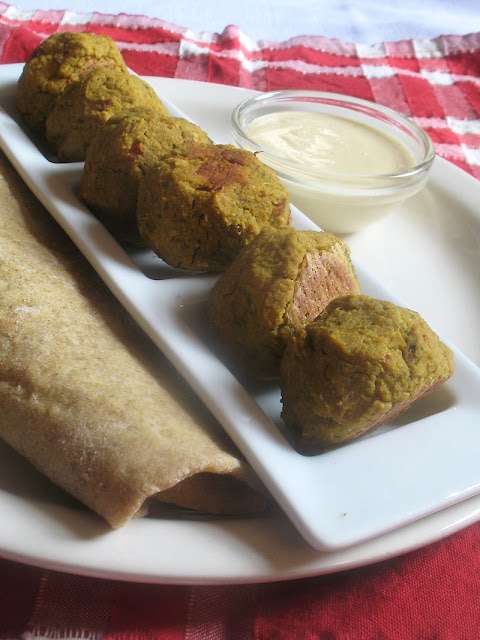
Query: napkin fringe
x=46, y=633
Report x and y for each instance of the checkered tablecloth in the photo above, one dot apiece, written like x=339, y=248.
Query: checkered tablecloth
x=436, y=82
x=433, y=593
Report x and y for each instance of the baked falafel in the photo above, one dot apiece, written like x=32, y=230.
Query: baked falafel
x=360, y=363
x=199, y=209
x=57, y=63
x=281, y=281
x=121, y=153
x=81, y=112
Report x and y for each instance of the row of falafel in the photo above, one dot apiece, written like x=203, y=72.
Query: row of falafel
x=151, y=178
x=288, y=303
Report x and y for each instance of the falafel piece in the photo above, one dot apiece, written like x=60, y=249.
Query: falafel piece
x=118, y=157
x=198, y=210
x=281, y=281
x=360, y=364
x=56, y=64
x=81, y=112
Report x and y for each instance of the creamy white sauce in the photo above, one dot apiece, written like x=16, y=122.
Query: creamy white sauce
x=332, y=143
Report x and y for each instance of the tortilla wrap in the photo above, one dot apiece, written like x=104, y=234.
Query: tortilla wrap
x=85, y=396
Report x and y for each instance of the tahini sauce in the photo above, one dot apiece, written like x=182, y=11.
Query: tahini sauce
x=331, y=143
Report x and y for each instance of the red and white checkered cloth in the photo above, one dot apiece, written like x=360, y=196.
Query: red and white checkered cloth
x=433, y=593
x=437, y=82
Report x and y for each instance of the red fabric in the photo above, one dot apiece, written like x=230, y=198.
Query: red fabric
x=431, y=594
x=432, y=81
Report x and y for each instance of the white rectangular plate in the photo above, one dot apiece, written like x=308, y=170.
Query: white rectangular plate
x=423, y=462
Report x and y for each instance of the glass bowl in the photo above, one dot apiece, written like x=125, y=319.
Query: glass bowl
x=338, y=200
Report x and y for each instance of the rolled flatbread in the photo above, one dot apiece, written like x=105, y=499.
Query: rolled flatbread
x=84, y=394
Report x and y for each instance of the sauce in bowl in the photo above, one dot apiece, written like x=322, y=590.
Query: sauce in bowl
x=346, y=162
x=330, y=142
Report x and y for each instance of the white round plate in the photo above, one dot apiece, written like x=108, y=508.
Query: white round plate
x=432, y=239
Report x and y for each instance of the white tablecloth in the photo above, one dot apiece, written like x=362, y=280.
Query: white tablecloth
x=365, y=21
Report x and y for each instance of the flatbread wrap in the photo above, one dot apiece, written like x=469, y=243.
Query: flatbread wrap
x=84, y=394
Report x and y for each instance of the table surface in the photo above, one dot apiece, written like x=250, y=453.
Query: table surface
x=365, y=21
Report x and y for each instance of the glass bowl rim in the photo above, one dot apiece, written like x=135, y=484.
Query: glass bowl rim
x=372, y=109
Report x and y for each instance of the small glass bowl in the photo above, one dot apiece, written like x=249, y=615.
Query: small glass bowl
x=339, y=202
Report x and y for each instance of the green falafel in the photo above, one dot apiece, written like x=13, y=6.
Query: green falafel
x=119, y=156
x=81, y=112
x=198, y=210
x=57, y=63
x=361, y=363
x=281, y=281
